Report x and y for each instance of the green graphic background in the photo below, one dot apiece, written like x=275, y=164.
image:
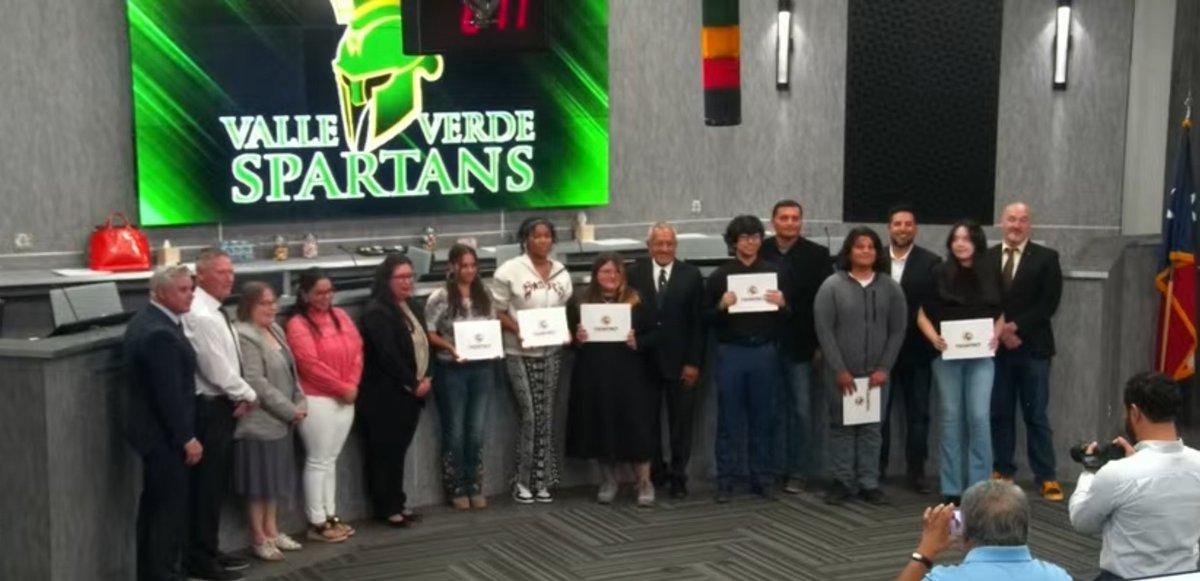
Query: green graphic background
x=183, y=156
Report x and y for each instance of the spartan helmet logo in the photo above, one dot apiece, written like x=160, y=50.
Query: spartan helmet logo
x=606, y=320
x=479, y=337
x=967, y=336
x=379, y=86
x=753, y=290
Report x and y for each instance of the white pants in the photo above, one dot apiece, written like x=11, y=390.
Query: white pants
x=324, y=432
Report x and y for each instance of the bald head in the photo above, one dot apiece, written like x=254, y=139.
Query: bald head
x=1017, y=222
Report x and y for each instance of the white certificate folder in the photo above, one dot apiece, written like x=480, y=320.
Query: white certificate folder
x=606, y=323
x=478, y=340
x=862, y=406
x=968, y=339
x=751, y=291
x=543, y=327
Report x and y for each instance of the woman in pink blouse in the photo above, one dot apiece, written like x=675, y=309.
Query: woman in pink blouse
x=329, y=359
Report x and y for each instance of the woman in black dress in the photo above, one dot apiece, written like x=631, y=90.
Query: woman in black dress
x=612, y=412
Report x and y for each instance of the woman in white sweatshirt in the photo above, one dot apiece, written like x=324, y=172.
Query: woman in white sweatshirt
x=532, y=280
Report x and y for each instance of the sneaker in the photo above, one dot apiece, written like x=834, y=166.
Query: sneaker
x=231, y=563
x=543, y=495
x=645, y=497
x=326, y=533
x=286, y=543
x=521, y=494
x=1052, y=491
x=724, y=494
x=872, y=496
x=837, y=494
x=996, y=475
x=267, y=552
x=794, y=486
x=478, y=501
x=460, y=503
x=607, y=492
x=338, y=524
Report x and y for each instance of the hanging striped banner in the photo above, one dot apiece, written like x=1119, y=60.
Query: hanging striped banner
x=720, y=47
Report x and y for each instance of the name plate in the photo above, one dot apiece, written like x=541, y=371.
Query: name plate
x=751, y=291
x=606, y=323
x=543, y=327
x=478, y=340
x=968, y=338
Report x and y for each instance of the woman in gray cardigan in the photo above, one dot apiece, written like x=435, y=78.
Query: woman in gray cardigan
x=860, y=316
x=263, y=462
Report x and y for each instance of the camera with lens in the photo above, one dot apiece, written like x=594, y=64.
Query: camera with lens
x=1103, y=454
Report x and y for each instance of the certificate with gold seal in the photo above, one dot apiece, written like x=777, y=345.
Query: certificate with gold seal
x=968, y=339
x=478, y=340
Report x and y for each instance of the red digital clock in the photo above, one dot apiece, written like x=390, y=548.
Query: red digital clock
x=456, y=26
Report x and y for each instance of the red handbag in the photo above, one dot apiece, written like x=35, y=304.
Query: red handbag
x=118, y=248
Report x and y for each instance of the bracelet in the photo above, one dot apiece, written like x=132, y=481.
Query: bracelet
x=922, y=559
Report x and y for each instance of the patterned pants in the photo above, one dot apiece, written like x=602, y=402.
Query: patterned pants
x=534, y=381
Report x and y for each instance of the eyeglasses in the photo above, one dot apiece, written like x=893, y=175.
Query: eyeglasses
x=749, y=238
x=403, y=277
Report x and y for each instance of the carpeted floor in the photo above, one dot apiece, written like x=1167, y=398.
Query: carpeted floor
x=793, y=538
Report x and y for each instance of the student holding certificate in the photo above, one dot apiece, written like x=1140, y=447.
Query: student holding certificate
x=747, y=360
x=532, y=281
x=967, y=296
x=613, y=409
x=464, y=383
x=861, y=316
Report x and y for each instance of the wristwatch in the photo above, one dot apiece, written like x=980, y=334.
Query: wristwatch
x=922, y=559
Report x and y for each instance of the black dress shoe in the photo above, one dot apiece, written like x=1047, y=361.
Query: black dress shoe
x=764, y=491
x=872, y=496
x=955, y=500
x=724, y=494
x=678, y=489
x=231, y=563
x=919, y=484
x=837, y=494
x=214, y=573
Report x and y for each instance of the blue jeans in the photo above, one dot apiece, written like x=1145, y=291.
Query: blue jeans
x=794, y=437
x=965, y=395
x=1026, y=379
x=746, y=380
x=464, y=393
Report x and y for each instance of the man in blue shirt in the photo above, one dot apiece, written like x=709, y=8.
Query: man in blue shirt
x=995, y=527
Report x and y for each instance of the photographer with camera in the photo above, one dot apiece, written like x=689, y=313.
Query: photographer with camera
x=994, y=527
x=1146, y=504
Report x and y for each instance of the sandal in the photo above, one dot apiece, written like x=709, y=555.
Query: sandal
x=326, y=533
x=338, y=524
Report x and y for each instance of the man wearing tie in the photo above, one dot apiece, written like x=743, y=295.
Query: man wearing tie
x=1032, y=283
x=221, y=397
x=159, y=366
x=677, y=289
x=912, y=267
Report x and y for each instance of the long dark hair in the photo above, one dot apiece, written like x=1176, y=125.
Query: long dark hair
x=381, y=284
x=973, y=277
x=252, y=294
x=307, y=281
x=481, y=300
x=625, y=293
x=881, y=260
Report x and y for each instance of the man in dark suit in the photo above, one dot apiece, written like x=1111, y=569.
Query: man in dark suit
x=912, y=267
x=160, y=366
x=1032, y=281
x=803, y=265
x=677, y=289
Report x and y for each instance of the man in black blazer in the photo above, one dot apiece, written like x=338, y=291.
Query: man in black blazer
x=803, y=265
x=1032, y=281
x=677, y=289
x=912, y=267
x=160, y=367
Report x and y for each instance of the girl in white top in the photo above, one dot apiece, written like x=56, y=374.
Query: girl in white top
x=532, y=280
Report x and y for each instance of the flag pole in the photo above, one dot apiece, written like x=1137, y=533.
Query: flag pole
x=1166, y=326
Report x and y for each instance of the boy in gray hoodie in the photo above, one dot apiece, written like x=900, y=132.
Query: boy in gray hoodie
x=860, y=315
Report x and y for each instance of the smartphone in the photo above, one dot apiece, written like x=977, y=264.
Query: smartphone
x=956, y=524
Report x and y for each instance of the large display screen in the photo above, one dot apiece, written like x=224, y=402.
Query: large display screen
x=276, y=110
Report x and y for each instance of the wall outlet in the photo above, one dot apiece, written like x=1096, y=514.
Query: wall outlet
x=697, y=207
x=23, y=241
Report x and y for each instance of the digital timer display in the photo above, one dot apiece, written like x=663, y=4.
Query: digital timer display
x=450, y=26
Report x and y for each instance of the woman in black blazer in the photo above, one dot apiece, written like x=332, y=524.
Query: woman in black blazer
x=394, y=384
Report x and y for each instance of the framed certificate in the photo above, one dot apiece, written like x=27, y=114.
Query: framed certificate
x=862, y=406
x=476, y=340
x=968, y=338
x=543, y=327
x=606, y=323
x=751, y=291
